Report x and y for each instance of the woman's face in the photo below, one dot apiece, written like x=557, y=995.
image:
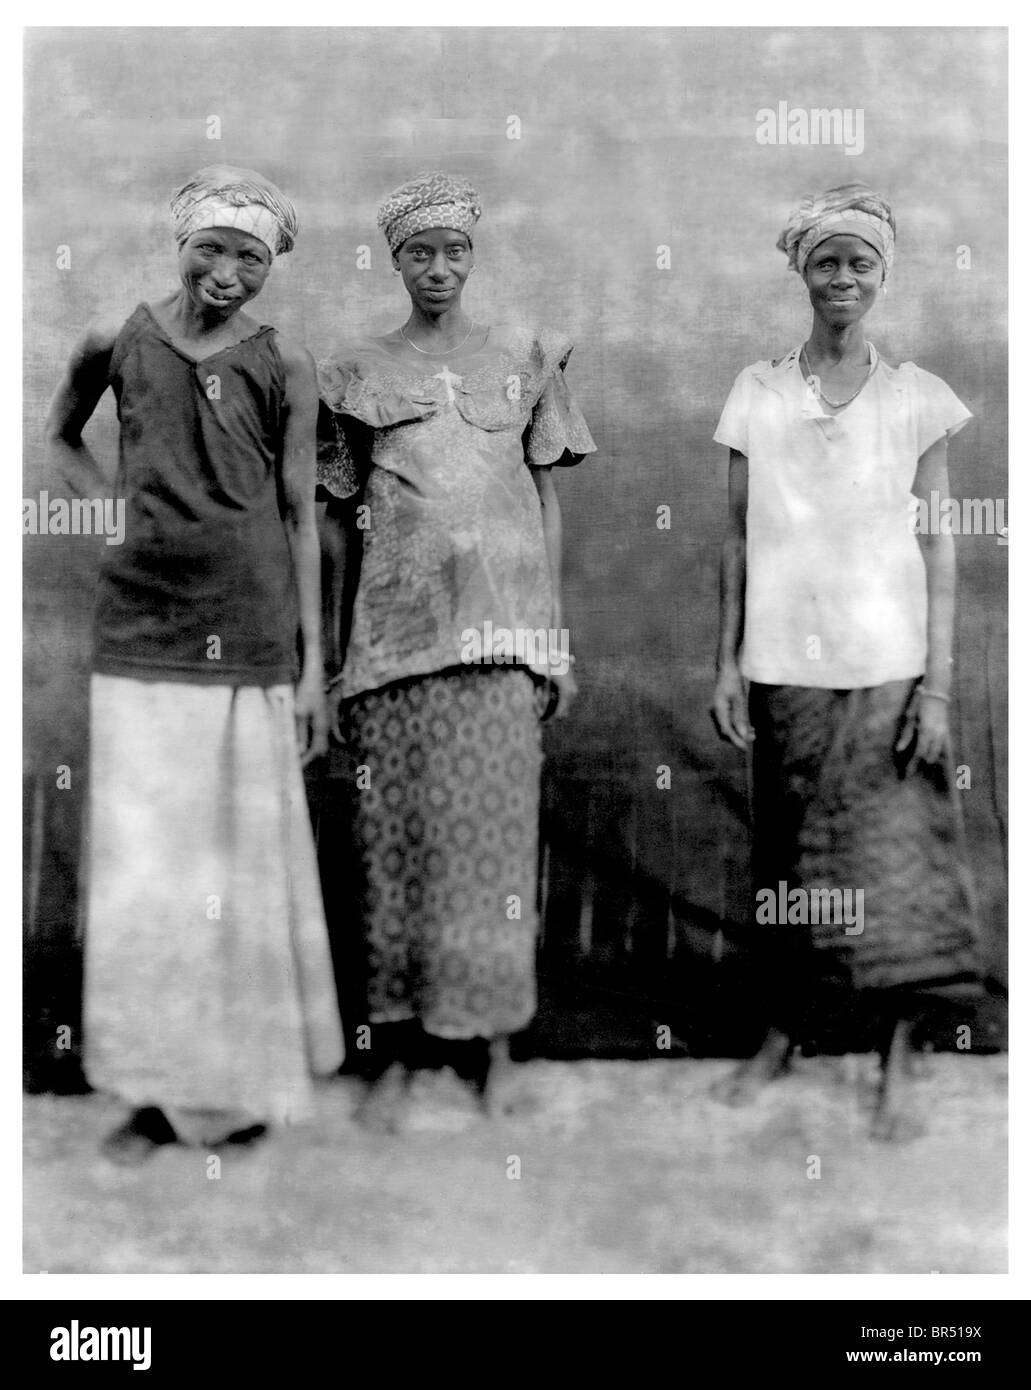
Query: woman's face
x=434, y=266
x=843, y=275
x=222, y=269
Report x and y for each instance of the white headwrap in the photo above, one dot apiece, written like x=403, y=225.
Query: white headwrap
x=849, y=210
x=224, y=196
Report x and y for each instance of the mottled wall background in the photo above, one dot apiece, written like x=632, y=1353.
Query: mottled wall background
x=630, y=139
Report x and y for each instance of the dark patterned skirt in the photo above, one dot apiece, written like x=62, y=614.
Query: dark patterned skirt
x=836, y=808
x=445, y=817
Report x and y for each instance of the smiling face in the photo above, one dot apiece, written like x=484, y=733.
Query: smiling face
x=222, y=269
x=435, y=266
x=843, y=275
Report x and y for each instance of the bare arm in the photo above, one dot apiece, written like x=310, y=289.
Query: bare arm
x=84, y=382
x=939, y=551
x=333, y=544
x=298, y=471
x=732, y=563
x=928, y=716
x=730, y=705
x=551, y=519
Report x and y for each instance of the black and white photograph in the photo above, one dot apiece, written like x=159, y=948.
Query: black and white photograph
x=515, y=535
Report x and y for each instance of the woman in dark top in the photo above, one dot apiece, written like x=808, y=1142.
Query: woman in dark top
x=208, y=996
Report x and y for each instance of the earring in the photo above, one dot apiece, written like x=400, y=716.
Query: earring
x=884, y=289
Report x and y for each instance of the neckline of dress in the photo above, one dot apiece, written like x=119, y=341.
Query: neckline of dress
x=199, y=361
x=434, y=357
x=477, y=371
x=431, y=359
x=875, y=361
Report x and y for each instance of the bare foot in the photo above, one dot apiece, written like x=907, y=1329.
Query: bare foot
x=440, y=1101
x=894, y=1126
x=506, y=1095
x=382, y=1108
x=919, y=1064
x=742, y=1086
x=896, y=1118
x=748, y=1078
x=507, y=1091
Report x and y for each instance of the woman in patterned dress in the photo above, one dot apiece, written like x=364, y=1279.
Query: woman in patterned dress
x=835, y=664
x=448, y=429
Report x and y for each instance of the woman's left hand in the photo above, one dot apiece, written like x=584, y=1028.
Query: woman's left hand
x=927, y=721
x=312, y=718
x=567, y=691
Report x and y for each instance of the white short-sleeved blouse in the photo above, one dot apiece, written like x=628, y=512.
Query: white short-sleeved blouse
x=835, y=590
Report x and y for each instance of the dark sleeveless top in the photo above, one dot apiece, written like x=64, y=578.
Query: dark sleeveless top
x=202, y=588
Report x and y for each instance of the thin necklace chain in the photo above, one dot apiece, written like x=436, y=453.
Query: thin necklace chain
x=429, y=352
x=810, y=378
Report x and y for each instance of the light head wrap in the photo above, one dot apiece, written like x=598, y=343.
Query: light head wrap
x=850, y=210
x=428, y=200
x=224, y=196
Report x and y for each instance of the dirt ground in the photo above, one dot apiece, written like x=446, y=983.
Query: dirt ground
x=628, y=1167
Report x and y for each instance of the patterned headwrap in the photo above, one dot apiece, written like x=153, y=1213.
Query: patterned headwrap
x=428, y=200
x=224, y=196
x=851, y=210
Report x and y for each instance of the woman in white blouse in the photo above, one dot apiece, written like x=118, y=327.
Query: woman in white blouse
x=835, y=661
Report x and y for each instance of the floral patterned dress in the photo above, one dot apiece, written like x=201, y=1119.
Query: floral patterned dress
x=445, y=750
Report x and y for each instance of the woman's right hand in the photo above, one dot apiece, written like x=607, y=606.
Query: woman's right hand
x=334, y=713
x=567, y=692
x=310, y=712
x=730, y=708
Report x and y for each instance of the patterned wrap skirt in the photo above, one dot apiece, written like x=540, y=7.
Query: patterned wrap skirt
x=446, y=775
x=209, y=986
x=836, y=807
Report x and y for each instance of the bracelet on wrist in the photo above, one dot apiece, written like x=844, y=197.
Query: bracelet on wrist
x=934, y=694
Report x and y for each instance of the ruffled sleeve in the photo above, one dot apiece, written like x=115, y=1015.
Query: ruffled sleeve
x=336, y=468
x=557, y=432
x=337, y=465
x=940, y=412
x=732, y=429
x=357, y=398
